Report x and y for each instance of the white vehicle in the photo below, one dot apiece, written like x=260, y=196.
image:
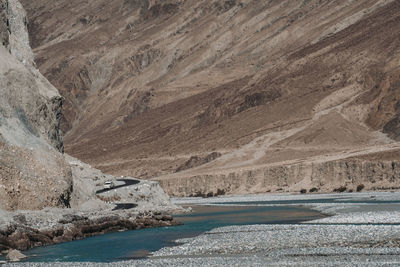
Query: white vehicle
x=108, y=185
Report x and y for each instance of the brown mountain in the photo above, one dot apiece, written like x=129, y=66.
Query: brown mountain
x=291, y=94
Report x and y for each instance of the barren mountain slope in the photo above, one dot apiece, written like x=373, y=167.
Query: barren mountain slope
x=268, y=84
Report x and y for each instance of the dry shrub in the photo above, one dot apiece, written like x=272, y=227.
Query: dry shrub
x=340, y=189
x=360, y=187
x=110, y=198
x=314, y=189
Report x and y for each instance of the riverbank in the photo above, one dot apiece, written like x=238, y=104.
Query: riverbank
x=130, y=204
x=138, y=244
x=364, y=229
x=68, y=227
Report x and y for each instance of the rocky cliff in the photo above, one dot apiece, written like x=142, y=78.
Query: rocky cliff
x=33, y=173
x=46, y=196
x=345, y=175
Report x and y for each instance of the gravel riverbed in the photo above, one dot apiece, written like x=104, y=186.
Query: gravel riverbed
x=358, y=233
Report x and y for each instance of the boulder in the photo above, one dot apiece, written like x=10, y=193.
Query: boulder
x=15, y=255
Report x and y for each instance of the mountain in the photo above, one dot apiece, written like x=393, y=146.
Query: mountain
x=213, y=97
x=34, y=171
x=46, y=196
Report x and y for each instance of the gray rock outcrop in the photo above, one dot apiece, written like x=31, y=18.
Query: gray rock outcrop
x=18, y=34
x=33, y=172
x=4, y=23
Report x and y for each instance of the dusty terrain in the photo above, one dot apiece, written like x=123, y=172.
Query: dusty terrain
x=292, y=94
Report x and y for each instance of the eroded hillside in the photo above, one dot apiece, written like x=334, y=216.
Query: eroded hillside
x=289, y=93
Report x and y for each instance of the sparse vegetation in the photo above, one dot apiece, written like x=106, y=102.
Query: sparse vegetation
x=109, y=199
x=303, y=191
x=360, y=187
x=209, y=194
x=220, y=192
x=313, y=190
x=340, y=189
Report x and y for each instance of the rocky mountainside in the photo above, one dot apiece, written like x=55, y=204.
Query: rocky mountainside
x=30, y=139
x=34, y=172
x=46, y=196
x=288, y=94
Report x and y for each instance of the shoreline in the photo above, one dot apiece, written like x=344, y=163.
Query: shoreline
x=75, y=227
x=348, y=215
x=355, y=230
x=130, y=204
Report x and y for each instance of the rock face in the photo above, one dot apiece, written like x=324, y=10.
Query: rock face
x=267, y=84
x=4, y=23
x=33, y=172
x=330, y=176
x=18, y=39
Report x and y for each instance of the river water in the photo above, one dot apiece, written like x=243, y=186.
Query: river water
x=140, y=243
